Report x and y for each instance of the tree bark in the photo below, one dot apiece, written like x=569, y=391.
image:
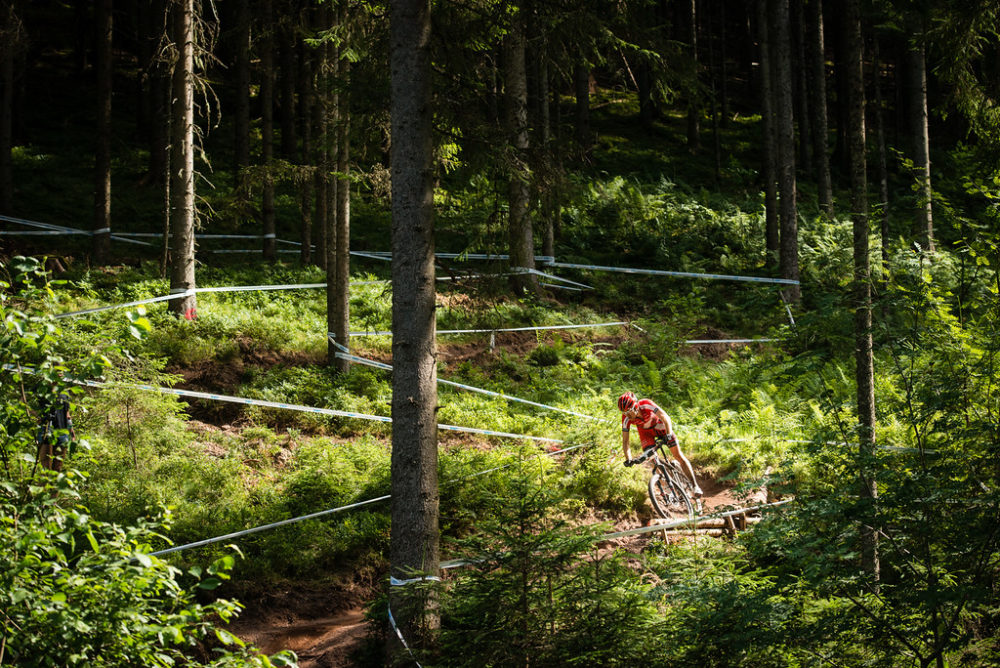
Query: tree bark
x=321, y=105
x=288, y=70
x=817, y=89
x=769, y=165
x=881, y=153
x=267, y=128
x=182, y=209
x=241, y=112
x=334, y=318
x=785, y=142
x=916, y=68
x=101, y=247
x=343, y=273
x=414, y=538
x=864, y=365
x=522, y=241
x=306, y=101
x=581, y=83
x=802, y=97
x=11, y=32
x=693, y=106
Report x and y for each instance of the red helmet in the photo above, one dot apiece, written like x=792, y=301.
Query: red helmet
x=627, y=402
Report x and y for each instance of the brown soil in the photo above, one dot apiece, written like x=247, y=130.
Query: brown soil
x=325, y=629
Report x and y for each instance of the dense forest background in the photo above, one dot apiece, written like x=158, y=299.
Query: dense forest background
x=811, y=190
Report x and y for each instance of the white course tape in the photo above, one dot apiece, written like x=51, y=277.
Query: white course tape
x=225, y=288
x=125, y=305
x=35, y=223
x=373, y=256
x=344, y=354
x=694, y=342
x=396, y=582
x=387, y=255
x=399, y=634
x=321, y=513
x=41, y=233
x=535, y=272
x=273, y=525
x=682, y=274
x=321, y=411
x=508, y=329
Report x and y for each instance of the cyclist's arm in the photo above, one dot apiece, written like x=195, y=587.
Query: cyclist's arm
x=625, y=436
x=662, y=414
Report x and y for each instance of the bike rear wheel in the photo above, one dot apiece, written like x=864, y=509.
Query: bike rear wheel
x=670, y=500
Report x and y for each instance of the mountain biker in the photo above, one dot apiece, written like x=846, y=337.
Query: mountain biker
x=653, y=425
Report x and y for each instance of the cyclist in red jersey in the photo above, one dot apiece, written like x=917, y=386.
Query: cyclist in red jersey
x=653, y=424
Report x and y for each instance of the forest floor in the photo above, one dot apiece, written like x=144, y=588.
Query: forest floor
x=326, y=629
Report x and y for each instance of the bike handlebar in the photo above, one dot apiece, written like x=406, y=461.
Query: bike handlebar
x=641, y=458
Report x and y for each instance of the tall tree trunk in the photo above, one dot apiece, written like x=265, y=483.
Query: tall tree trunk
x=306, y=90
x=267, y=127
x=864, y=365
x=581, y=84
x=817, y=89
x=288, y=73
x=769, y=163
x=343, y=273
x=522, y=241
x=321, y=105
x=102, y=182
x=693, y=102
x=11, y=32
x=241, y=112
x=723, y=67
x=414, y=535
x=883, y=166
x=158, y=82
x=916, y=69
x=545, y=155
x=182, y=210
x=334, y=316
x=785, y=142
x=801, y=84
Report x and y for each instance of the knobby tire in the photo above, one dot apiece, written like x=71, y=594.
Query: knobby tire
x=668, y=496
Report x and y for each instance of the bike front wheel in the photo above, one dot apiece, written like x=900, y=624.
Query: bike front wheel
x=670, y=500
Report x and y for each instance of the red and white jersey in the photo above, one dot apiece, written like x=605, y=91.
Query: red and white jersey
x=648, y=424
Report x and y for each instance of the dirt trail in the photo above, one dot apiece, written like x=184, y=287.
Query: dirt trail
x=322, y=640
x=319, y=643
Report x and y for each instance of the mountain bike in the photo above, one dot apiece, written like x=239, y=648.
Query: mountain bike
x=670, y=489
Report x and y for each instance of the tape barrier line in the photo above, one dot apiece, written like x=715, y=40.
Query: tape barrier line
x=139, y=302
x=322, y=513
x=265, y=527
x=344, y=354
x=229, y=288
x=399, y=634
x=507, y=329
x=320, y=411
x=680, y=274
x=695, y=342
x=35, y=223
x=51, y=229
x=40, y=233
x=457, y=563
x=544, y=259
x=535, y=272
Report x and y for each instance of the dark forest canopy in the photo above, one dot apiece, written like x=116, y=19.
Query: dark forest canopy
x=294, y=95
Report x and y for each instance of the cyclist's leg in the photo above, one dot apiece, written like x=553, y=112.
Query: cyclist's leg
x=686, y=467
